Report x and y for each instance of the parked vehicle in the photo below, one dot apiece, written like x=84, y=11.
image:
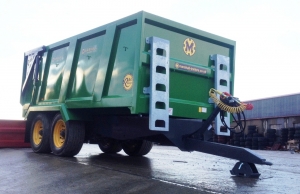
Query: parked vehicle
x=129, y=83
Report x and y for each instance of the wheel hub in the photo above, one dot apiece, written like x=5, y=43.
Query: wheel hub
x=37, y=135
x=59, y=133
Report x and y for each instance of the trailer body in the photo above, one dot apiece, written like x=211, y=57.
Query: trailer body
x=140, y=69
x=126, y=84
x=108, y=67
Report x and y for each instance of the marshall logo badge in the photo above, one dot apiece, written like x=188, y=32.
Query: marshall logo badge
x=189, y=46
x=128, y=82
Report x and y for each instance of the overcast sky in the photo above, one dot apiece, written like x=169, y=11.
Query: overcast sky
x=267, y=35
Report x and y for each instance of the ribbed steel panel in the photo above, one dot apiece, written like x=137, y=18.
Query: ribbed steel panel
x=12, y=133
x=281, y=106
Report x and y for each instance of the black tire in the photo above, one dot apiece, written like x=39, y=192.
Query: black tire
x=255, y=135
x=260, y=144
x=66, y=138
x=248, y=143
x=272, y=131
x=284, y=129
x=292, y=130
x=252, y=127
x=254, y=147
x=236, y=143
x=270, y=135
x=261, y=147
x=137, y=147
x=248, y=138
x=250, y=135
x=260, y=139
x=221, y=141
x=296, y=135
x=254, y=139
x=109, y=145
x=236, y=138
x=40, y=134
x=272, y=139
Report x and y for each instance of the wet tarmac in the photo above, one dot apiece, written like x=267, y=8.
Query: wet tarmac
x=164, y=170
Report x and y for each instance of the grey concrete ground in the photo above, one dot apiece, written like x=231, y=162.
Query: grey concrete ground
x=163, y=170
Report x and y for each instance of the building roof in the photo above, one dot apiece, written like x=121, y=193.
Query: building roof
x=281, y=106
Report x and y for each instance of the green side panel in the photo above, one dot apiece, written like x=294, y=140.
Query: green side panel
x=121, y=82
x=198, y=48
x=26, y=96
x=55, y=75
x=108, y=67
x=191, y=69
x=87, y=66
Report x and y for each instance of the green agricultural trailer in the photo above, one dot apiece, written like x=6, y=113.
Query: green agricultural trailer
x=132, y=82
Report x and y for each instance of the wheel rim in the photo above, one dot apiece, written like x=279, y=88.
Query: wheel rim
x=37, y=132
x=59, y=133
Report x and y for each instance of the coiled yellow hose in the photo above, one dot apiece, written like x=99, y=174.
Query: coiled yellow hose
x=213, y=94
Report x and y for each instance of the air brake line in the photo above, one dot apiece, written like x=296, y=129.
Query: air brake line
x=233, y=105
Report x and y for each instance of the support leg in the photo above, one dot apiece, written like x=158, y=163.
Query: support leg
x=245, y=169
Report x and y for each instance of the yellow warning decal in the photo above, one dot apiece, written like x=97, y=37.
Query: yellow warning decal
x=189, y=46
x=128, y=82
x=203, y=109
